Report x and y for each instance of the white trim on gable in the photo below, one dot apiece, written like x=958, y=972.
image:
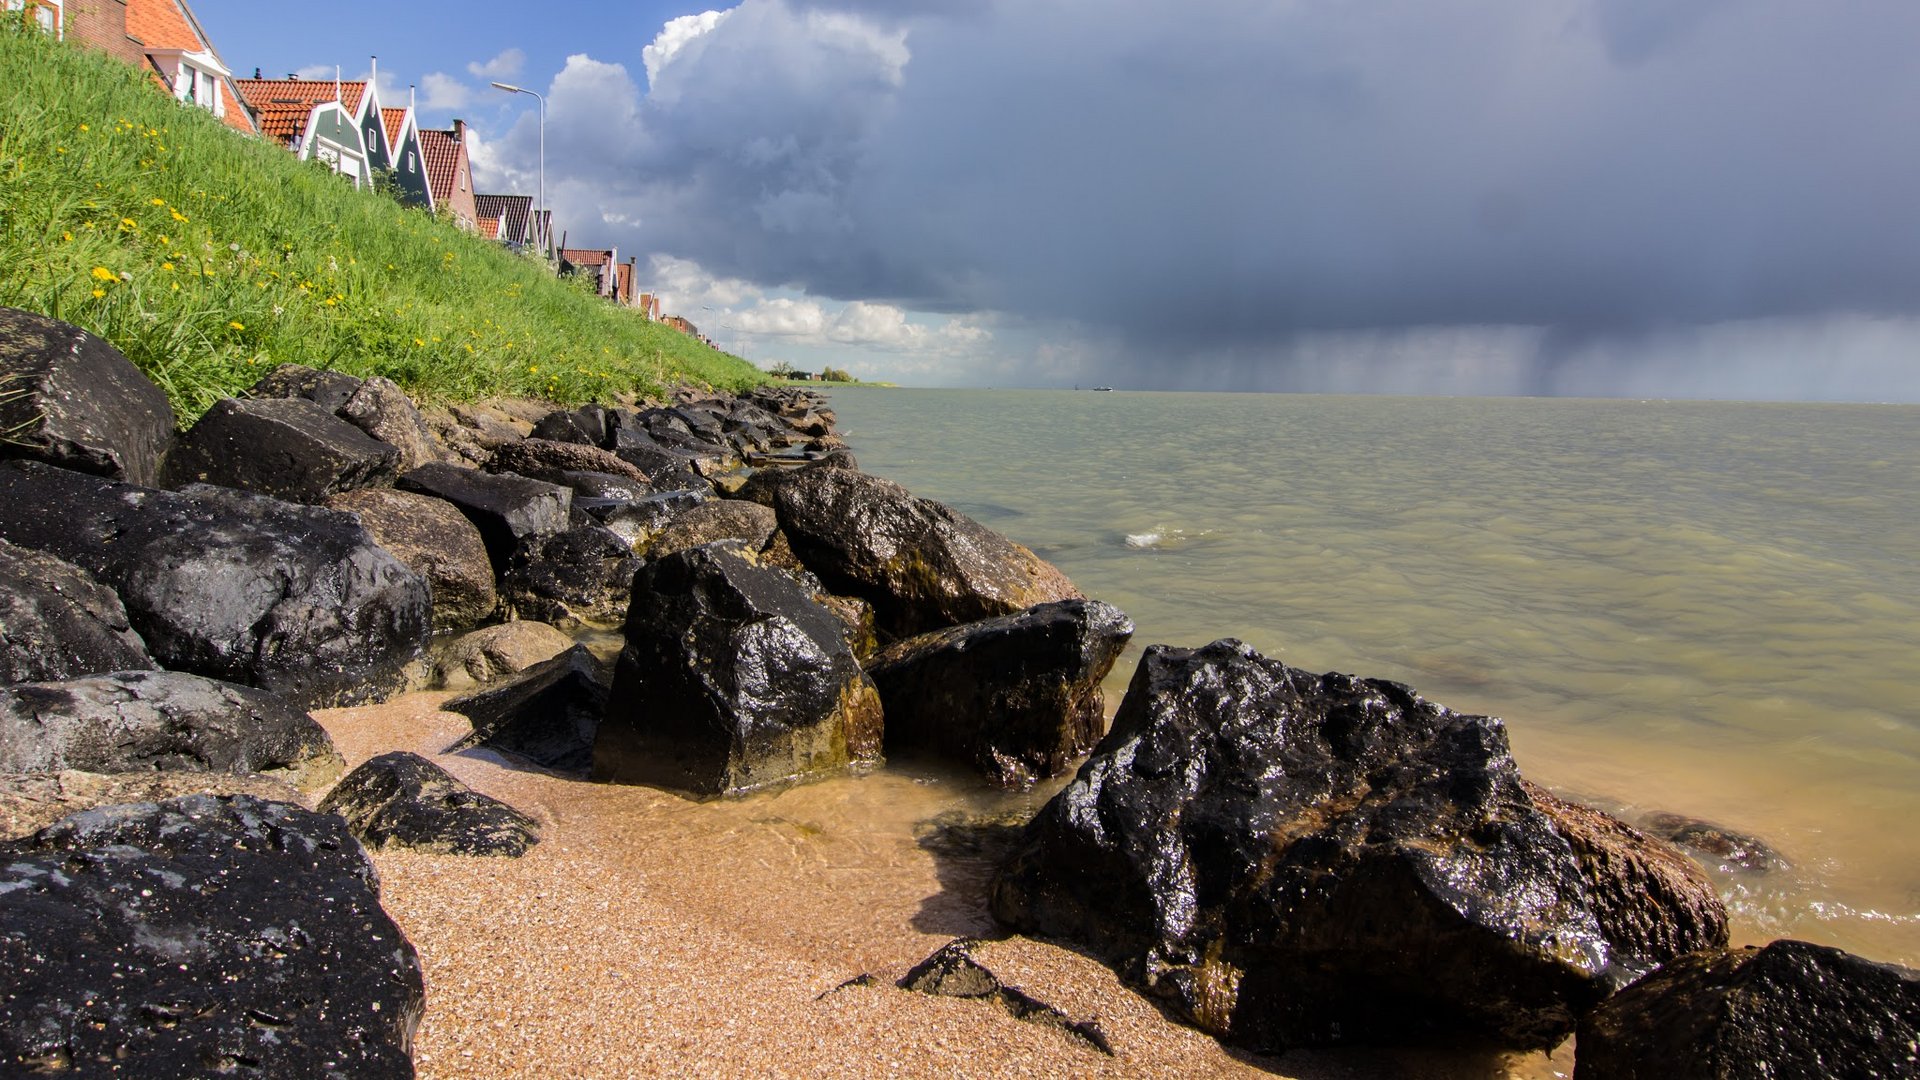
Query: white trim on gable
x=195, y=76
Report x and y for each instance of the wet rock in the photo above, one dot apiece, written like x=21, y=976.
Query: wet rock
x=718, y=519
x=32, y=801
x=492, y=652
x=543, y=459
x=70, y=399
x=286, y=448
x=385, y=412
x=1017, y=698
x=202, y=936
x=294, y=599
x=920, y=564
x=328, y=389
x=57, y=622
x=580, y=577
x=637, y=521
x=598, y=485
x=548, y=714
x=589, y=425
x=1789, y=1009
x=1731, y=851
x=433, y=539
x=732, y=679
x=135, y=721
x=1652, y=901
x=1293, y=859
x=402, y=800
x=955, y=972
x=668, y=468
x=508, y=510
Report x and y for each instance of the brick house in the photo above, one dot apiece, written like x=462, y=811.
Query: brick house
x=161, y=37
x=450, y=173
x=176, y=49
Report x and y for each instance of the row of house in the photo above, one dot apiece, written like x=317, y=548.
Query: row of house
x=339, y=122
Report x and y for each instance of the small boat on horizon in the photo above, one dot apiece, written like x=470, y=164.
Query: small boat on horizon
x=1108, y=389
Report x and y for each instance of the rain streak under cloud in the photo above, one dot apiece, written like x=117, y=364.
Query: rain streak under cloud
x=1478, y=196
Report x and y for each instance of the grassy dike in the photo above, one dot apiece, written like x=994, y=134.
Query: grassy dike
x=208, y=258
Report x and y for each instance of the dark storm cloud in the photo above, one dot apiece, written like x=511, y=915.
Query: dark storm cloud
x=1217, y=177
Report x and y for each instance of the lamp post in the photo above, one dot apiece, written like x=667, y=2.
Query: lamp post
x=540, y=223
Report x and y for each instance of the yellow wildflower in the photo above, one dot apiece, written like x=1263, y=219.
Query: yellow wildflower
x=157, y=202
x=99, y=292
x=67, y=236
x=84, y=127
x=237, y=325
x=101, y=273
x=178, y=216
x=419, y=343
x=166, y=266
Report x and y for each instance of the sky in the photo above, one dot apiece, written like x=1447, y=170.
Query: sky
x=1646, y=198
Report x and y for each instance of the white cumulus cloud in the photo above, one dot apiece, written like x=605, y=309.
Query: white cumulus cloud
x=440, y=91
x=503, y=66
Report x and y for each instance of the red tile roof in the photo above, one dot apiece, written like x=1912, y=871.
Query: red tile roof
x=394, y=119
x=283, y=105
x=236, y=116
x=160, y=24
x=442, y=154
x=585, y=257
x=489, y=227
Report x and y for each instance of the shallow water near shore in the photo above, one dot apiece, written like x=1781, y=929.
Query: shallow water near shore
x=1700, y=607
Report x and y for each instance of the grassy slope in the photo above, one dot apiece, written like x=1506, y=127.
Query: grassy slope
x=207, y=258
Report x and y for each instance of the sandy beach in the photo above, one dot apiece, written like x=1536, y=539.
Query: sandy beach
x=649, y=935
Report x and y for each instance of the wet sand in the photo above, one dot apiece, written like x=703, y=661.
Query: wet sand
x=648, y=935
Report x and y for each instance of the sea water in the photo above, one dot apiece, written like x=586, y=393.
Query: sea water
x=1705, y=608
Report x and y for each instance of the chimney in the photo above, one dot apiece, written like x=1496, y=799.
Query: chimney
x=459, y=130
x=373, y=76
x=409, y=95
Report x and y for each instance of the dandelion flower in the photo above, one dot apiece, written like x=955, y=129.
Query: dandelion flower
x=166, y=266
x=99, y=292
x=178, y=216
x=237, y=325
x=67, y=236
x=419, y=343
x=101, y=273
x=157, y=202
x=84, y=127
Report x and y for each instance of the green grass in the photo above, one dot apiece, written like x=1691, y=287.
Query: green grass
x=208, y=257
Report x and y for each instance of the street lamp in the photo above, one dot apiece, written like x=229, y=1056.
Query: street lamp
x=540, y=223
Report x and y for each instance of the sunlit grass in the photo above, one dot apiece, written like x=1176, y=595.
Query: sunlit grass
x=207, y=258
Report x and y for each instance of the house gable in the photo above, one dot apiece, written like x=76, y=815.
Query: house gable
x=449, y=172
x=409, y=163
